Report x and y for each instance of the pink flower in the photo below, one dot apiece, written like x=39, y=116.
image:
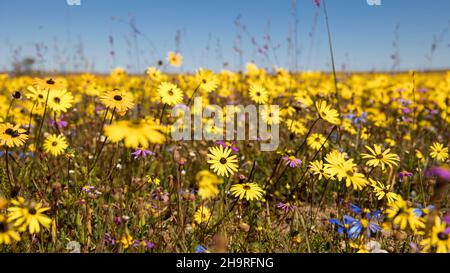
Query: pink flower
x=292, y=161
x=141, y=153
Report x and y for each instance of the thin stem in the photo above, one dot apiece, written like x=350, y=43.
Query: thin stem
x=332, y=54
x=43, y=117
x=9, y=108
x=306, y=137
x=8, y=175
x=195, y=91
x=102, y=146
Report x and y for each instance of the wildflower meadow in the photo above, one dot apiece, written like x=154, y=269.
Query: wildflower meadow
x=263, y=159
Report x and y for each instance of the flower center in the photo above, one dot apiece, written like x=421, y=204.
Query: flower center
x=3, y=227
x=170, y=92
x=204, y=80
x=117, y=97
x=258, y=94
x=350, y=173
x=292, y=158
x=442, y=236
x=12, y=133
x=246, y=187
x=379, y=156
x=32, y=211
x=40, y=96
x=223, y=160
x=54, y=143
x=57, y=100
x=50, y=81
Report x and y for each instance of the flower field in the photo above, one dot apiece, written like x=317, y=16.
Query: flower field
x=89, y=163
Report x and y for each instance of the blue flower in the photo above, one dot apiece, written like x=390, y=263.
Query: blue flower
x=200, y=249
x=355, y=208
x=340, y=226
x=420, y=211
x=355, y=227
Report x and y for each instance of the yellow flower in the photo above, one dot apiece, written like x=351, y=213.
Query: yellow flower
x=439, y=152
x=170, y=93
x=174, y=59
x=327, y=113
x=344, y=170
x=249, y=191
x=29, y=216
x=295, y=126
x=118, y=74
x=439, y=240
x=36, y=94
x=202, y=215
x=420, y=156
x=258, y=94
x=126, y=240
x=383, y=191
x=316, y=141
x=269, y=115
x=12, y=136
x=153, y=180
x=379, y=157
x=402, y=215
x=154, y=74
x=135, y=134
x=317, y=168
x=221, y=161
x=7, y=232
x=60, y=100
x=55, y=144
x=48, y=84
x=206, y=79
x=119, y=100
x=207, y=183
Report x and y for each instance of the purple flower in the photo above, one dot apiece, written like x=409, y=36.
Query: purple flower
x=142, y=153
x=227, y=144
x=441, y=172
x=109, y=239
x=292, y=161
x=87, y=188
x=60, y=123
x=447, y=218
x=117, y=220
x=286, y=206
x=404, y=174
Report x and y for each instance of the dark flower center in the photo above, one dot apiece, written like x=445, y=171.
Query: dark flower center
x=32, y=211
x=51, y=81
x=204, y=80
x=57, y=100
x=117, y=97
x=170, y=92
x=258, y=94
x=223, y=160
x=246, y=187
x=40, y=96
x=442, y=236
x=54, y=143
x=350, y=173
x=12, y=133
x=3, y=227
x=17, y=95
x=379, y=156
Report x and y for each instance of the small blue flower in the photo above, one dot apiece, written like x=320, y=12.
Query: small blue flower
x=200, y=249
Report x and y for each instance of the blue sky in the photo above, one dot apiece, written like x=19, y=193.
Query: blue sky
x=362, y=34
